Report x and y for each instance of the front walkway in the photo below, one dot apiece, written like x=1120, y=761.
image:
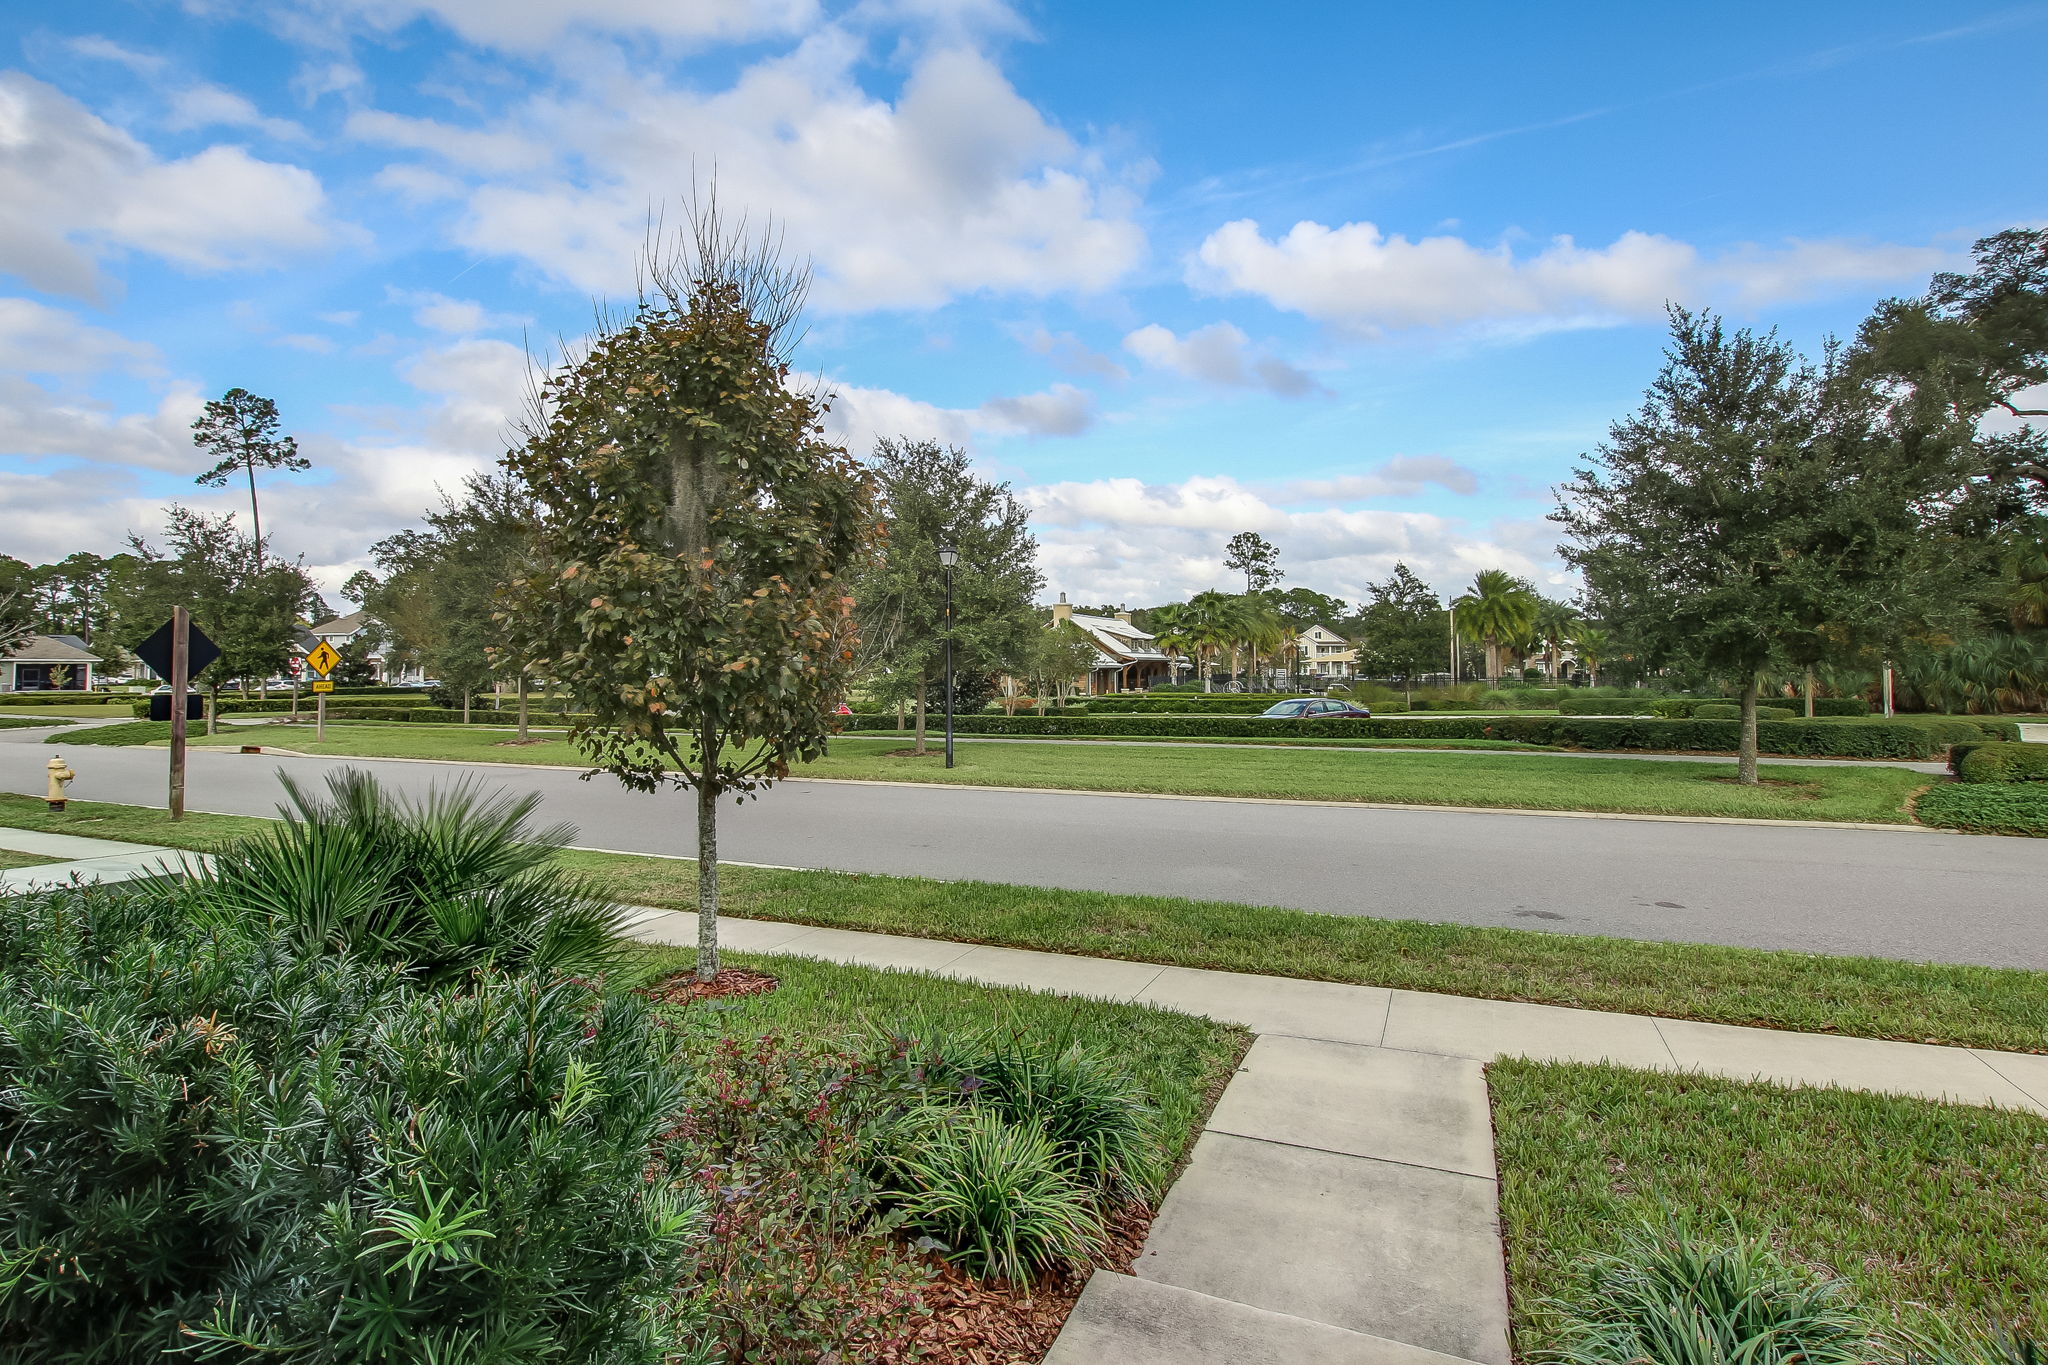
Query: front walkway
x=1340, y=1206
x=89, y=860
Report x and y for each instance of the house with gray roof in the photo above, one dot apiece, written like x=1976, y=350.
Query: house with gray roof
x=1127, y=659
x=44, y=663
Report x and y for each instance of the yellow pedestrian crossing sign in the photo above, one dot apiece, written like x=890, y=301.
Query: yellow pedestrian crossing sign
x=322, y=659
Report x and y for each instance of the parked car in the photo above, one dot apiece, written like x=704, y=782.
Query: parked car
x=1314, y=708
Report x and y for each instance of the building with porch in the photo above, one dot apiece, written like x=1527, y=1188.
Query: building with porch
x=1126, y=659
x=47, y=663
x=1320, y=652
x=360, y=626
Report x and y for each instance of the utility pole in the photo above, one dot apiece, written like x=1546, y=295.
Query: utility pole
x=181, y=676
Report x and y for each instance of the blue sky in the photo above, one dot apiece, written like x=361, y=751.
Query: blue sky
x=1364, y=278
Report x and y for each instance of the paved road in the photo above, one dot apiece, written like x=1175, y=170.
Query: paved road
x=1902, y=894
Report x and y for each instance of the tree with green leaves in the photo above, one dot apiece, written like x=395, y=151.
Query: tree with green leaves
x=931, y=497
x=1213, y=624
x=240, y=430
x=1402, y=631
x=1257, y=558
x=1053, y=658
x=1552, y=627
x=1301, y=608
x=247, y=605
x=1755, y=498
x=695, y=529
x=1498, y=612
x=1594, y=645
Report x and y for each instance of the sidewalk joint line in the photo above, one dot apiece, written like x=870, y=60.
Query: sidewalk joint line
x=1351, y=1156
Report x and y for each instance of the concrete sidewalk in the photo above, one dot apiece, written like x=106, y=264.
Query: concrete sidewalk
x=1340, y=1207
x=90, y=860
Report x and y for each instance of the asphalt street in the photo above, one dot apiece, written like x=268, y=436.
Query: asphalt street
x=1901, y=894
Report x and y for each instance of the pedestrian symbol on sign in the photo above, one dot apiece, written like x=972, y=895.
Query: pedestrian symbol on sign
x=323, y=659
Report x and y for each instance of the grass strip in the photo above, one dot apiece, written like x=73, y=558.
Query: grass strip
x=29, y=722
x=1624, y=786
x=11, y=859
x=1866, y=997
x=1917, y=1204
x=2014, y=808
x=1180, y=1061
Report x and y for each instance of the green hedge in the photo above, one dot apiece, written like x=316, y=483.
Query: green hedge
x=1729, y=710
x=11, y=700
x=2000, y=761
x=1190, y=703
x=30, y=722
x=1840, y=706
x=1987, y=808
x=1794, y=738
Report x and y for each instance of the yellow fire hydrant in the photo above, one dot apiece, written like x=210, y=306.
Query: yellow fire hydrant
x=60, y=773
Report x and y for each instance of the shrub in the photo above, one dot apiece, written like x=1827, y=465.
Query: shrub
x=454, y=882
x=1717, y=710
x=1088, y=1106
x=796, y=1266
x=1595, y=706
x=1667, y=1298
x=2000, y=762
x=1840, y=706
x=1987, y=808
x=213, y=1141
x=998, y=1195
x=126, y=732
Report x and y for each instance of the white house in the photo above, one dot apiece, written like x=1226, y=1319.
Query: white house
x=44, y=663
x=1320, y=652
x=343, y=631
x=1126, y=659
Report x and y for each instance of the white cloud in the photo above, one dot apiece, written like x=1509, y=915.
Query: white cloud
x=481, y=386
x=72, y=184
x=458, y=317
x=38, y=339
x=1129, y=541
x=958, y=186
x=210, y=106
x=1069, y=353
x=860, y=416
x=38, y=421
x=1402, y=476
x=1357, y=276
x=535, y=25
x=99, y=47
x=1219, y=354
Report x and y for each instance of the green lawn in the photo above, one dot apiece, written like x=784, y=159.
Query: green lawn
x=1875, y=793
x=26, y=722
x=1180, y=1061
x=10, y=859
x=1928, y=1210
x=84, y=708
x=1853, y=996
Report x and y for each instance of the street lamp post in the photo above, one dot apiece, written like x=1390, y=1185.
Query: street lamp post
x=948, y=557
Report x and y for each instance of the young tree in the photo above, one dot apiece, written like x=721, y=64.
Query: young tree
x=248, y=607
x=1752, y=500
x=695, y=524
x=1054, y=658
x=932, y=497
x=1257, y=558
x=239, y=430
x=1402, y=631
x=1213, y=625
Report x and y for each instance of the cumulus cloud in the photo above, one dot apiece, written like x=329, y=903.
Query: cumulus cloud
x=38, y=339
x=1219, y=354
x=210, y=106
x=1127, y=540
x=35, y=420
x=533, y=26
x=861, y=416
x=458, y=317
x=1357, y=276
x=72, y=184
x=960, y=185
x=1402, y=476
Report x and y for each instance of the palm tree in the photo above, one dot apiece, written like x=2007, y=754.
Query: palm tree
x=1261, y=628
x=1214, y=626
x=1594, y=644
x=1173, y=630
x=1554, y=623
x=1499, y=611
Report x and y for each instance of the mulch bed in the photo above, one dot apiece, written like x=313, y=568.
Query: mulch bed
x=684, y=987
x=996, y=1324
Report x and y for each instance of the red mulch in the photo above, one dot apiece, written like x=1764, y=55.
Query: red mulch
x=997, y=1324
x=684, y=987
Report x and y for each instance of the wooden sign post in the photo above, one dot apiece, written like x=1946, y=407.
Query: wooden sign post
x=321, y=660
x=181, y=677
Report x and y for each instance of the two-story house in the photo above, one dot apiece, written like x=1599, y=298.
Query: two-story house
x=1320, y=652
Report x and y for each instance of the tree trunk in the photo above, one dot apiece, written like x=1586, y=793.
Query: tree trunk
x=1207, y=686
x=1492, y=662
x=213, y=709
x=522, y=706
x=707, y=853
x=1809, y=694
x=902, y=718
x=295, y=698
x=923, y=686
x=1745, y=754
x=466, y=694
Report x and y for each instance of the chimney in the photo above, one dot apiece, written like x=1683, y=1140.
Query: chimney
x=1123, y=614
x=1061, y=609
